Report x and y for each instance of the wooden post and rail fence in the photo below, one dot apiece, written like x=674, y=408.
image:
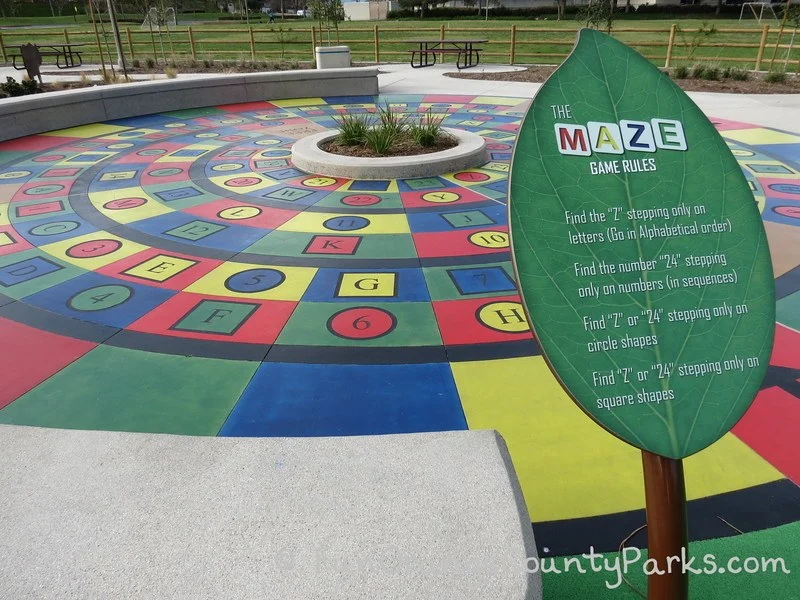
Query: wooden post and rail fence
x=749, y=48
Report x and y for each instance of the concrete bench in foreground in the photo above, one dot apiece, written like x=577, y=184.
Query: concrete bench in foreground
x=88, y=514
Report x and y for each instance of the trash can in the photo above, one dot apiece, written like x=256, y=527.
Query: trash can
x=333, y=57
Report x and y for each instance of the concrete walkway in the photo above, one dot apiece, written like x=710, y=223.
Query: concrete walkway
x=779, y=111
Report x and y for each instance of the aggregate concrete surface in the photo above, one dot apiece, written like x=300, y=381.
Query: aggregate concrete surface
x=91, y=514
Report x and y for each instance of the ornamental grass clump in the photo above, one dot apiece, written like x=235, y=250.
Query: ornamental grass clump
x=428, y=130
x=388, y=132
x=380, y=139
x=353, y=128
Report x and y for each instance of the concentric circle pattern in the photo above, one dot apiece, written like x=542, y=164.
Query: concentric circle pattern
x=176, y=273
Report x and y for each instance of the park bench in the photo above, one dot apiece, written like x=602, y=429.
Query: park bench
x=32, y=54
x=466, y=52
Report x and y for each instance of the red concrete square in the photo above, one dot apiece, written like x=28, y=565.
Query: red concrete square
x=260, y=326
x=333, y=244
x=29, y=356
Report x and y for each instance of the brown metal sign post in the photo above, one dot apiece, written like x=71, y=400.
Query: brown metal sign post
x=667, y=534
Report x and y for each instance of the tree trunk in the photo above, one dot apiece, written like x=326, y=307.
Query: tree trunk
x=719, y=7
x=561, y=6
x=627, y=6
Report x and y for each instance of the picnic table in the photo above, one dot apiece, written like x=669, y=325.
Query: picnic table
x=66, y=53
x=466, y=51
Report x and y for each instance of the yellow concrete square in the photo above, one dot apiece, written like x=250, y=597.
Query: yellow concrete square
x=471, y=123
x=372, y=285
x=351, y=106
x=243, y=182
x=243, y=280
x=496, y=135
x=130, y=133
x=4, y=213
x=5, y=239
x=118, y=176
x=127, y=205
x=291, y=102
x=588, y=471
x=495, y=100
x=88, y=131
x=160, y=268
x=85, y=158
x=93, y=250
x=758, y=136
x=497, y=166
x=770, y=169
x=326, y=223
x=171, y=158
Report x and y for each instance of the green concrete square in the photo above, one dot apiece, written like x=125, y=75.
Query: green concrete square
x=145, y=392
x=191, y=113
x=312, y=324
x=216, y=316
x=441, y=286
x=195, y=230
x=288, y=194
x=467, y=218
x=423, y=183
x=383, y=245
x=788, y=311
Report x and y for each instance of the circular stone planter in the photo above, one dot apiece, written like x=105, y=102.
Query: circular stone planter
x=308, y=156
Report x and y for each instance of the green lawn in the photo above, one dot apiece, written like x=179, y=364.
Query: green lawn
x=726, y=42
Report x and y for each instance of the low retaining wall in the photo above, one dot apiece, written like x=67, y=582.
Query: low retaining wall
x=29, y=115
x=432, y=516
x=308, y=156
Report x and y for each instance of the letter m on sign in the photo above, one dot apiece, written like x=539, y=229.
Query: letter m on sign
x=572, y=139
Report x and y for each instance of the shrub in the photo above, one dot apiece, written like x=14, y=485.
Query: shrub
x=681, y=72
x=427, y=130
x=173, y=64
x=136, y=64
x=775, y=77
x=710, y=74
x=739, y=74
x=698, y=71
x=151, y=63
x=353, y=128
x=380, y=139
x=171, y=73
x=12, y=88
x=207, y=64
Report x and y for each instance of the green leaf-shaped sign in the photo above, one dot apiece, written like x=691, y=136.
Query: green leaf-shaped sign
x=640, y=252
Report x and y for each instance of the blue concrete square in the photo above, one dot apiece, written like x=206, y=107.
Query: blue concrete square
x=369, y=186
x=100, y=299
x=324, y=400
x=26, y=270
x=189, y=152
x=177, y=225
x=481, y=280
x=54, y=229
x=179, y=193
